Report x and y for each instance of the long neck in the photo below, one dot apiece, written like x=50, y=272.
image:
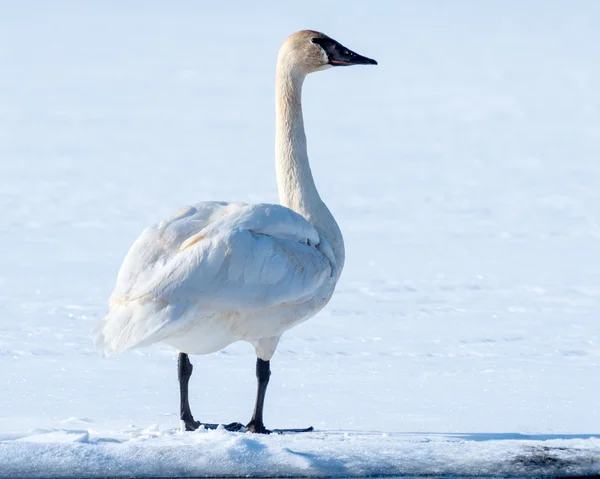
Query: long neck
x=297, y=189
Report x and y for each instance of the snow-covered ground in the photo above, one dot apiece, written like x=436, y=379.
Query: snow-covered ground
x=464, y=172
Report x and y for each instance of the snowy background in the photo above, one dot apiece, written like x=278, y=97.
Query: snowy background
x=464, y=171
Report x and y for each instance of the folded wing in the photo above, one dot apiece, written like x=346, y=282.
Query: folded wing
x=209, y=258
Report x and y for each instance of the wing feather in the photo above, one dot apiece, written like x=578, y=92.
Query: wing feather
x=208, y=258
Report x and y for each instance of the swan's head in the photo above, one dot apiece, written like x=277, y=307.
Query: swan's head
x=310, y=51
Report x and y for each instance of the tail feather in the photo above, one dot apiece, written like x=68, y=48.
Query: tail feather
x=130, y=325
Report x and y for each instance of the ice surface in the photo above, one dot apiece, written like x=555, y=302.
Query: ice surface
x=463, y=171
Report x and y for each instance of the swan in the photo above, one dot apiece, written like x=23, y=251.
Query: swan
x=217, y=272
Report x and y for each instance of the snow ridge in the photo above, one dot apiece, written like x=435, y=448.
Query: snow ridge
x=155, y=453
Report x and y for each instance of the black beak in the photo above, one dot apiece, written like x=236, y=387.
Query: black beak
x=339, y=55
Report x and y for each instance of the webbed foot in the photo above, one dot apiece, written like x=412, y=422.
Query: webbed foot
x=256, y=427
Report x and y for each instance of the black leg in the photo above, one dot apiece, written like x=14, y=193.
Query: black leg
x=256, y=424
x=184, y=372
x=263, y=373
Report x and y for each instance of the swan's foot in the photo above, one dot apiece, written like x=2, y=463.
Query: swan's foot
x=191, y=425
x=261, y=429
x=232, y=426
x=293, y=431
x=256, y=427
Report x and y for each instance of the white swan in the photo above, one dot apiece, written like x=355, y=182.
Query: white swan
x=216, y=272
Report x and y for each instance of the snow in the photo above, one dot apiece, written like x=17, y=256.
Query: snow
x=152, y=453
x=463, y=170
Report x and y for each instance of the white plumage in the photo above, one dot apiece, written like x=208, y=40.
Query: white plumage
x=217, y=273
